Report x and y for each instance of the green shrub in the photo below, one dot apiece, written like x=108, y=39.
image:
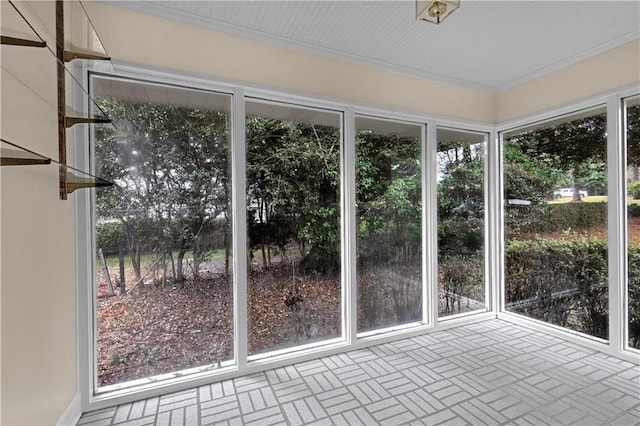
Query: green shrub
x=460, y=237
x=565, y=283
x=634, y=296
x=561, y=282
x=462, y=279
x=634, y=189
x=576, y=216
x=559, y=217
x=109, y=235
x=633, y=210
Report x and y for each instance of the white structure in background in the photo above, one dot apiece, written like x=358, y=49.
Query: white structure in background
x=567, y=192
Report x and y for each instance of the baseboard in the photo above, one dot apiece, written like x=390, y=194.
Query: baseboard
x=73, y=412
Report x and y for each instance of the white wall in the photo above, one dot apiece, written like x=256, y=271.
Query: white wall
x=607, y=71
x=38, y=318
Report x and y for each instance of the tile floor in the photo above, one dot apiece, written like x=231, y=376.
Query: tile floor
x=491, y=373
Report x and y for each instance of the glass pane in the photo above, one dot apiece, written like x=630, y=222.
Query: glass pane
x=80, y=34
x=555, y=219
x=389, y=231
x=293, y=216
x=16, y=26
x=633, y=218
x=461, y=258
x=164, y=295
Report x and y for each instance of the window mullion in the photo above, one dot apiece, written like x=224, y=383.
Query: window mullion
x=238, y=179
x=430, y=220
x=616, y=220
x=349, y=278
x=494, y=230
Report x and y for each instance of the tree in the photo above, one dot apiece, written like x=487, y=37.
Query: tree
x=594, y=178
x=293, y=181
x=567, y=146
x=460, y=198
x=170, y=167
x=388, y=193
x=633, y=142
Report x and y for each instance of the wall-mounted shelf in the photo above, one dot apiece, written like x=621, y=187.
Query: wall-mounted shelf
x=12, y=154
x=78, y=118
x=70, y=56
x=16, y=41
x=74, y=181
x=75, y=39
x=17, y=31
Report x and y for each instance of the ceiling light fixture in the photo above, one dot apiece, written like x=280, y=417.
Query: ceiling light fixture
x=435, y=11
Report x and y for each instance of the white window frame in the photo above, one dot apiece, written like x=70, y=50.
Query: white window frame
x=487, y=241
x=494, y=235
x=427, y=279
x=624, y=298
x=616, y=223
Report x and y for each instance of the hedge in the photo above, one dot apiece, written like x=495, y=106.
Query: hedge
x=556, y=217
x=153, y=234
x=565, y=283
x=576, y=216
x=109, y=235
x=559, y=217
x=634, y=189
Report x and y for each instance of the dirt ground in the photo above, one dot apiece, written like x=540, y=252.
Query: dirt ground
x=156, y=329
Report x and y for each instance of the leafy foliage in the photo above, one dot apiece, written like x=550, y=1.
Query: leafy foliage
x=460, y=227
x=388, y=193
x=293, y=187
x=565, y=283
x=569, y=146
x=460, y=199
x=389, y=232
x=558, y=281
x=560, y=217
x=594, y=178
x=634, y=189
x=170, y=167
x=109, y=236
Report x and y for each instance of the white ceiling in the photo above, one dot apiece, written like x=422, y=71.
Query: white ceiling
x=488, y=45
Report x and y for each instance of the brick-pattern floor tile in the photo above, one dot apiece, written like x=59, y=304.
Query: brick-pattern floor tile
x=492, y=372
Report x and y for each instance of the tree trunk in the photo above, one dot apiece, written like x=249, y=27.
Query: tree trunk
x=173, y=265
x=197, y=256
x=576, y=194
x=180, y=268
x=576, y=190
x=262, y=234
x=227, y=253
x=264, y=253
x=135, y=259
x=134, y=249
x=121, y=264
x=268, y=254
x=164, y=269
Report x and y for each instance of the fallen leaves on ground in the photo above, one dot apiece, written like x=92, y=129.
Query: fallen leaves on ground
x=159, y=329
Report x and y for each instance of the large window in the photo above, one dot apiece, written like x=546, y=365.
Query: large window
x=293, y=200
x=164, y=286
x=166, y=251
x=632, y=119
x=389, y=230
x=555, y=217
x=461, y=221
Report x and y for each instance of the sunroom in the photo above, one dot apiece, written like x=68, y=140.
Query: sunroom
x=322, y=212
